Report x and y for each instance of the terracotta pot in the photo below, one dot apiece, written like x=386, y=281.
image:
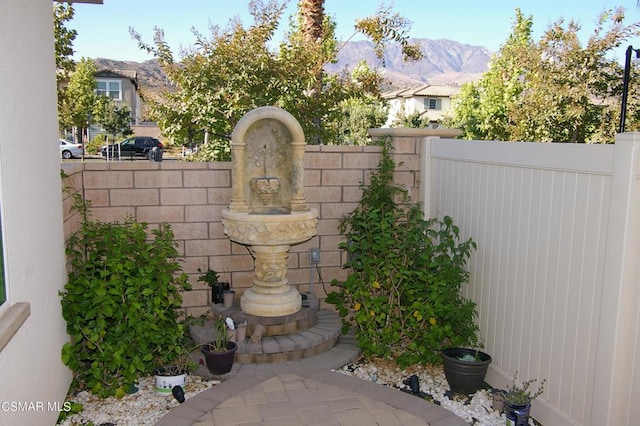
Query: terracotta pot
x=220, y=362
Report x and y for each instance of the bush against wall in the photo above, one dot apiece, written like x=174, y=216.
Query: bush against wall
x=121, y=302
x=403, y=292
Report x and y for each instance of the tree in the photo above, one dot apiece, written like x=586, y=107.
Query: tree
x=214, y=85
x=64, y=38
x=553, y=90
x=412, y=121
x=316, y=33
x=80, y=98
x=231, y=71
x=113, y=119
x=312, y=19
x=362, y=107
x=386, y=27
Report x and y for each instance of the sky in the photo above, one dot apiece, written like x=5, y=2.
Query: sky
x=103, y=30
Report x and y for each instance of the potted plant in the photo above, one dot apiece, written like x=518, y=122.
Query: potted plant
x=219, y=353
x=465, y=369
x=517, y=401
x=175, y=374
x=217, y=288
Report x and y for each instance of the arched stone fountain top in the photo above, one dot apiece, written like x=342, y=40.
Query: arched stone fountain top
x=263, y=113
x=284, y=146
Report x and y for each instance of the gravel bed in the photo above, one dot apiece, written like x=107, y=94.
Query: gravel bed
x=137, y=409
x=146, y=408
x=476, y=409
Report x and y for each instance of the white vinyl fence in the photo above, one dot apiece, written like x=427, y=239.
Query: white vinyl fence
x=555, y=276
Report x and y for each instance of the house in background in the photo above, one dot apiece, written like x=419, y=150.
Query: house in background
x=430, y=101
x=121, y=86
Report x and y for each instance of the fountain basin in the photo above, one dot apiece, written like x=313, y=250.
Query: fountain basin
x=270, y=229
x=269, y=238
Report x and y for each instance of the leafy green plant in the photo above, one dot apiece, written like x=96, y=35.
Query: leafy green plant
x=517, y=394
x=181, y=364
x=122, y=302
x=402, y=295
x=210, y=277
x=219, y=344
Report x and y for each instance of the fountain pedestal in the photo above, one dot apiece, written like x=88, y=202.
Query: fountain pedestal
x=271, y=294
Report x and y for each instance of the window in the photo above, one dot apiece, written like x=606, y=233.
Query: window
x=110, y=88
x=433, y=103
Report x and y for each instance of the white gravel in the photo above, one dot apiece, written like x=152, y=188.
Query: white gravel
x=138, y=409
x=476, y=410
x=146, y=408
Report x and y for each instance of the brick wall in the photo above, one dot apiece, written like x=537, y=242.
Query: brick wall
x=191, y=197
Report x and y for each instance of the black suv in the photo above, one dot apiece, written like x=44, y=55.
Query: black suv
x=138, y=145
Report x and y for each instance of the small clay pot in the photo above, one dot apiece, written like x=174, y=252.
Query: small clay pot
x=228, y=296
x=241, y=333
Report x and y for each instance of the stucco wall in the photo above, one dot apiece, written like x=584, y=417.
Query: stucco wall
x=30, y=366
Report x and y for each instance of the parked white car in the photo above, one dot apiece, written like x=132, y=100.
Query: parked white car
x=69, y=149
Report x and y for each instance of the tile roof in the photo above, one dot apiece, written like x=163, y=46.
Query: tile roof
x=425, y=90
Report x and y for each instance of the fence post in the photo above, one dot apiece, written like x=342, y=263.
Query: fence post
x=426, y=174
x=616, y=378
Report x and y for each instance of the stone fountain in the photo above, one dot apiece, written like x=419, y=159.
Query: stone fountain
x=268, y=212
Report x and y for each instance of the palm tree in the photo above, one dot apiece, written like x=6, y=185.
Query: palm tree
x=312, y=17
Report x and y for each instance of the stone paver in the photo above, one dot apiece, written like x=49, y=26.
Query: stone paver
x=306, y=392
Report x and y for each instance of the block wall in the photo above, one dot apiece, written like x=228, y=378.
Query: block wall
x=191, y=197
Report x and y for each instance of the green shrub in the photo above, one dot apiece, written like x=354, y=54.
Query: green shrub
x=215, y=150
x=122, y=303
x=95, y=145
x=403, y=292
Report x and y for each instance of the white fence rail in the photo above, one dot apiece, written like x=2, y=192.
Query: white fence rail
x=555, y=276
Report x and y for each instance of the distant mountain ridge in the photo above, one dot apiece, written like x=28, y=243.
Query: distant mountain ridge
x=444, y=62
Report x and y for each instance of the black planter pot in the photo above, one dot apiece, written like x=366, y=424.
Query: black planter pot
x=517, y=414
x=217, y=290
x=465, y=377
x=220, y=362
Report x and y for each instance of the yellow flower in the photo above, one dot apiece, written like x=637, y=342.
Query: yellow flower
x=376, y=284
x=357, y=307
x=373, y=314
x=432, y=321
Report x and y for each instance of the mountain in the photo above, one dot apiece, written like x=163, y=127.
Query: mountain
x=444, y=62
x=150, y=76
